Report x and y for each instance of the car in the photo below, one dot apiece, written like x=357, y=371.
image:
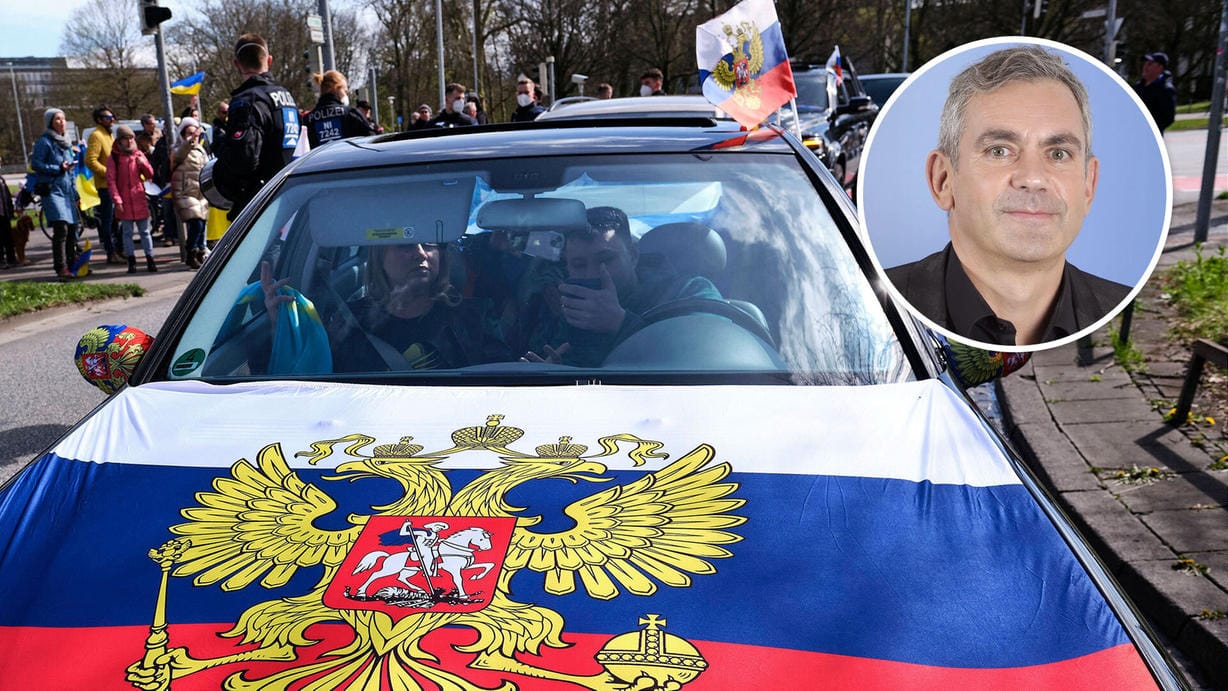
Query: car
x=636, y=107
x=879, y=87
x=834, y=116
x=767, y=476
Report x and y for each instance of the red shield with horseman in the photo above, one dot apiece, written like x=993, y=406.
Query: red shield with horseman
x=404, y=565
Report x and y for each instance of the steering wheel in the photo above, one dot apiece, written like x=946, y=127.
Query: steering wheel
x=694, y=305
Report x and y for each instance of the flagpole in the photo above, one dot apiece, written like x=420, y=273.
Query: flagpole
x=797, y=119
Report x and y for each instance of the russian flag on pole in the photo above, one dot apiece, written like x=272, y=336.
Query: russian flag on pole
x=188, y=86
x=834, y=64
x=743, y=63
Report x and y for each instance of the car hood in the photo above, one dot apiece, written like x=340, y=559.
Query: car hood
x=868, y=533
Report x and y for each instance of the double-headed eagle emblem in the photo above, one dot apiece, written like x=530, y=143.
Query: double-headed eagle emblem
x=435, y=558
x=738, y=71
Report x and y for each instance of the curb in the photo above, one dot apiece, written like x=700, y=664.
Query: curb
x=1131, y=548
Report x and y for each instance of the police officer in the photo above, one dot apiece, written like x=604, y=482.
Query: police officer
x=333, y=118
x=263, y=126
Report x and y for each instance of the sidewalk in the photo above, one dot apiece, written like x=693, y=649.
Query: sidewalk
x=1079, y=419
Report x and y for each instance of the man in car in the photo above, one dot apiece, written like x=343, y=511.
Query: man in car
x=1015, y=173
x=262, y=126
x=605, y=294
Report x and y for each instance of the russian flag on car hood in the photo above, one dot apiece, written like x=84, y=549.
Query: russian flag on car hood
x=743, y=64
x=347, y=536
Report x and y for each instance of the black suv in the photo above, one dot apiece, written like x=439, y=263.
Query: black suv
x=835, y=114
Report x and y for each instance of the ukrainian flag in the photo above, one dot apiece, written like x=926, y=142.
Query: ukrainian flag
x=188, y=86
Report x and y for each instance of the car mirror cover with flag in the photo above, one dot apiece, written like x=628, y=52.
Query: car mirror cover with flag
x=743, y=62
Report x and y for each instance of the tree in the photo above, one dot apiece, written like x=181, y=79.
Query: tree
x=104, y=38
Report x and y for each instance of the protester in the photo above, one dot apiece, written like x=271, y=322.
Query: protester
x=454, y=104
x=364, y=107
x=263, y=125
x=219, y=128
x=160, y=158
x=125, y=166
x=8, y=249
x=527, y=106
x=479, y=114
x=651, y=83
x=190, y=207
x=53, y=163
x=1157, y=91
x=424, y=118
x=333, y=118
x=96, y=153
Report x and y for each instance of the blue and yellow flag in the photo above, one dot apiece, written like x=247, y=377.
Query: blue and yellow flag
x=188, y=86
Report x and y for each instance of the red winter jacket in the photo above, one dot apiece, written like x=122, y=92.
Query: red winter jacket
x=125, y=185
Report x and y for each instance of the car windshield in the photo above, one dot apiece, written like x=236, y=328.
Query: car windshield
x=811, y=89
x=665, y=266
x=880, y=87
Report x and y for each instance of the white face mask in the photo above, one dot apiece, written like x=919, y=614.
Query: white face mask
x=345, y=100
x=458, y=106
x=645, y=90
x=524, y=99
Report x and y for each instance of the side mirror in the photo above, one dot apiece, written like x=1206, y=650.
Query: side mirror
x=107, y=356
x=973, y=366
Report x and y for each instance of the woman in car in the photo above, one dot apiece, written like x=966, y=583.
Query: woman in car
x=411, y=317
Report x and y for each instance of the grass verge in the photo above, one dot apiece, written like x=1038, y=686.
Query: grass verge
x=19, y=297
x=1199, y=291
x=1199, y=107
x=1195, y=124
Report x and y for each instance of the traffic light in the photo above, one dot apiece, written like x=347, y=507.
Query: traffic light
x=152, y=15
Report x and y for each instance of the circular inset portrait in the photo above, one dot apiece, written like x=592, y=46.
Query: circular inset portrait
x=1015, y=194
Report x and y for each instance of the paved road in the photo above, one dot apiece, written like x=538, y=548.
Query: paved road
x=44, y=394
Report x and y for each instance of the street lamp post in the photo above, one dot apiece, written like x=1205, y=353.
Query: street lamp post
x=21, y=128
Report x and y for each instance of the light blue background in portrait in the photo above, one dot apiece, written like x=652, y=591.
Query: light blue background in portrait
x=1121, y=234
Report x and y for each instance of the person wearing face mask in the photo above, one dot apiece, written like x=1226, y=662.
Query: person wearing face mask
x=127, y=170
x=527, y=108
x=651, y=82
x=333, y=118
x=454, y=109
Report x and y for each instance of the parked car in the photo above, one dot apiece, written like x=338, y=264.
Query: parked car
x=636, y=107
x=766, y=476
x=879, y=87
x=835, y=115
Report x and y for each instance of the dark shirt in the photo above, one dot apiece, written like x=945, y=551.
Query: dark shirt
x=589, y=349
x=446, y=119
x=331, y=120
x=444, y=337
x=938, y=287
x=263, y=132
x=1160, y=97
x=527, y=113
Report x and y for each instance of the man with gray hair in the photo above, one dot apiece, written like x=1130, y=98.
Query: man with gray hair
x=1015, y=173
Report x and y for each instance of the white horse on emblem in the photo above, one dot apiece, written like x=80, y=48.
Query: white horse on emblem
x=455, y=556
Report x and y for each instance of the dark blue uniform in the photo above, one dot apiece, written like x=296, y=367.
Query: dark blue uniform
x=263, y=132
x=331, y=120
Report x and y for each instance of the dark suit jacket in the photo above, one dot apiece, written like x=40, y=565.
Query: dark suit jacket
x=923, y=284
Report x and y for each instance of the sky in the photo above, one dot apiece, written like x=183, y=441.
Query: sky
x=35, y=27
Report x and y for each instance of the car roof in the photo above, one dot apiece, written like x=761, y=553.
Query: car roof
x=555, y=138
x=639, y=106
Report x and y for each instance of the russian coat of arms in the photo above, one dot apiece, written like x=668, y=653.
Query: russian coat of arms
x=438, y=557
